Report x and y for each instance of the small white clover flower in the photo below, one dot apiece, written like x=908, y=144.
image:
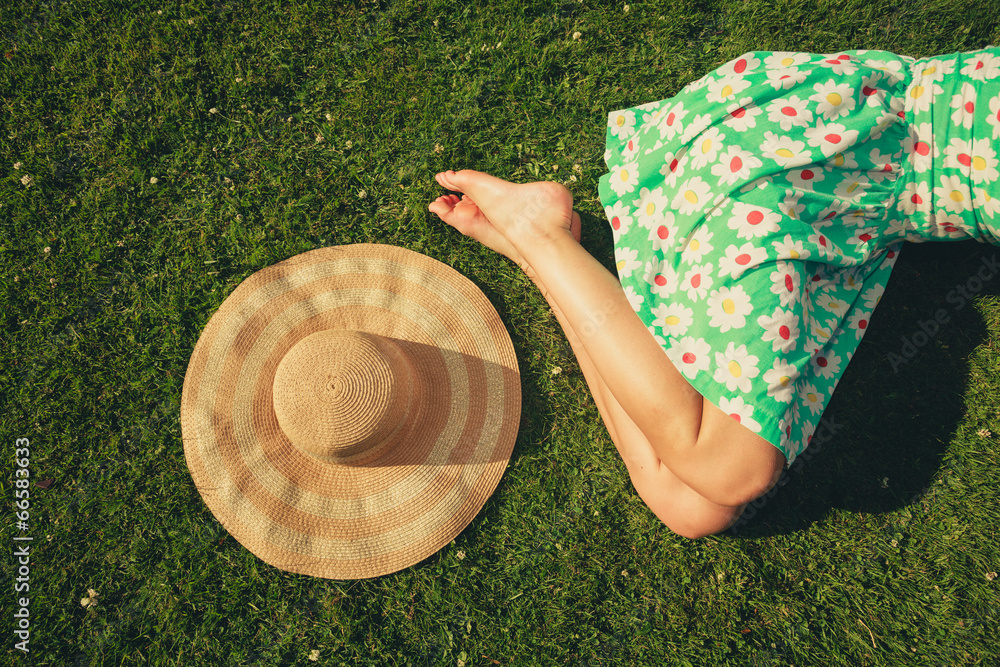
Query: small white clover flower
x=154, y=180
x=348, y=144
x=626, y=9
x=555, y=167
x=26, y=181
x=438, y=148
x=47, y=250
x=17, y=165
x=557, y=370
x=190, y=21
x=314, y=655
x=239, y=79
x=990, y=576
x=577, y=35
x=362, y=194
x=460, y=555
x=213, y=110
x=320, y=138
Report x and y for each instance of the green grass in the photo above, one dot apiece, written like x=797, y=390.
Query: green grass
x=328, y=126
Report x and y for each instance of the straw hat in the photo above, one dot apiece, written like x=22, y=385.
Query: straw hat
x=347, y=412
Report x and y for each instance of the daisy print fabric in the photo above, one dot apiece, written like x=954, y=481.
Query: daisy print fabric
x=758, y=213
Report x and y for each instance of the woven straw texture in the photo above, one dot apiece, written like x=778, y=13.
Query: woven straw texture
x=347, y=412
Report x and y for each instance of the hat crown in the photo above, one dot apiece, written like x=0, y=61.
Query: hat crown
x=339, y=394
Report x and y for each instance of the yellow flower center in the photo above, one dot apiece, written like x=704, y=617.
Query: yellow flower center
x=812, y=397
x=978, y=163
x=794, y=254
x=929, y=70
x=787, y=62
x=734, y=369
x=956, y=196
x=784, y=380
x=620, y=265
x=691, y=196
x=620, y=121
x=784, y=152
x=834, y=99
x=695, y=245
x=650, y=208
x=916, y=92
x=706, y=146
x=727, y=90
x=729, y=306
x=624, y=175
x=838, y=159
x=672, y=320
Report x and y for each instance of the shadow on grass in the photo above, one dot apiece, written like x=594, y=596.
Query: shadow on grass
x=900, y=400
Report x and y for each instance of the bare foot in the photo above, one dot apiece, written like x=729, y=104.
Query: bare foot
x=523, y=209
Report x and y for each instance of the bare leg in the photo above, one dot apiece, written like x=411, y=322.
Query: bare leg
x=675, y=502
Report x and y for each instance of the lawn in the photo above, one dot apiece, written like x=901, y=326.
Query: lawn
x=155, y=154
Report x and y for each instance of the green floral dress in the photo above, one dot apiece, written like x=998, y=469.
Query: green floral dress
x=757, y=214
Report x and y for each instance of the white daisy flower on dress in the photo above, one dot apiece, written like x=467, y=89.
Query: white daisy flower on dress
x=630, y=149
x=760, y=183
x=624, y=178
x=651, y=207
x=785, y=283
x=780, y=379
x=788, y=248
x=983, y=67
x=870, y=92
x=950, y=226
x=833, y=99
x=892, y=70
x=785, y=59
x=832, y=304
x=883, y=165
x=698, y=281
x=742, y=115
x=841, y=161
x=920, y=146
x=698, y=125
x=728, y=308
x=781, y=329
x=860, y=238
x=738, y=260
x=920, y=95
x=805, y=179
x=673, y=318
x=618, y=215
x=786, y=78
x=787, y=152
x=673, y=166
x=741, y=411
x=690, y=356
x=840, y=64
x=853, y=186
x=976, y=158
x=790, y=205
x=671, y=121
x=706, y=147
x=740, y=66
x=830, y=138
x=811, y=397
x=736, y=368
x=621, y=123
x=725, y=88
x=751, y=222
x=692, y=196
x=634, y=299
x=933, y=70
x=626, y=261
x=986, y=203
x=662, y=278
x=953, y=195
x=916, y=197
x=734, y=165
x=664, y=234
x=697, y=245
x=793, y=112
x=824, y=246
x=858, y=322
x=964, y=105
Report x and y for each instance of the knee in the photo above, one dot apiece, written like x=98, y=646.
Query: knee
x=693, y=527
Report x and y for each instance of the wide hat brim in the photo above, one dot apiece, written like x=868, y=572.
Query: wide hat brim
x=376, y=512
